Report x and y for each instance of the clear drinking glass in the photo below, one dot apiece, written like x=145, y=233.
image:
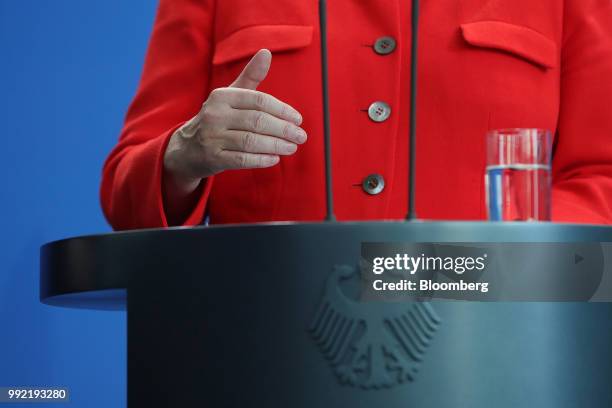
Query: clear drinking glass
x=518, y=178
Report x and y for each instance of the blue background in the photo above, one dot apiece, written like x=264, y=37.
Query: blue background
x=68, y=69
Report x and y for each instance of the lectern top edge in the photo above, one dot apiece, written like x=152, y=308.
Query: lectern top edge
x=486, y=225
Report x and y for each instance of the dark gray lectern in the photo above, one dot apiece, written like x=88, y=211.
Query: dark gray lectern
x=237, y=316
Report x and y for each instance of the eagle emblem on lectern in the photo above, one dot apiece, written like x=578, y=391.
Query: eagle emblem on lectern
x=371, y=345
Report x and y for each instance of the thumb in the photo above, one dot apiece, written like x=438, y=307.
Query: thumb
x=255, y=71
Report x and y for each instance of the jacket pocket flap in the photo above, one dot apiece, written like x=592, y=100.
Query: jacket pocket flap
x=247, y=41
x=522, y=41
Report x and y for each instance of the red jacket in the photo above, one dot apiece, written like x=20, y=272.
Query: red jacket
x=483, y=65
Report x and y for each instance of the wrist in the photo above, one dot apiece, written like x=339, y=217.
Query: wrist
x=176, y=185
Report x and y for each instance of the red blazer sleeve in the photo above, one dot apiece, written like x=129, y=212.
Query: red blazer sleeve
x=171, y=91
x=582, y=164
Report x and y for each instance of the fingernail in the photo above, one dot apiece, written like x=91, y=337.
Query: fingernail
x=272, y=160
x=300, y=135
x=290, y=148
x=297, y=119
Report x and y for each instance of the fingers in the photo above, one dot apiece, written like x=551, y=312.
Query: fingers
x=241, y=128
x=247, y=99
x=266, y=124
x=255, y=71
x=243, y=160
x=248, y=142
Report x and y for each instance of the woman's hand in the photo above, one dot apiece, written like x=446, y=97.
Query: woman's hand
x=236, y=128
